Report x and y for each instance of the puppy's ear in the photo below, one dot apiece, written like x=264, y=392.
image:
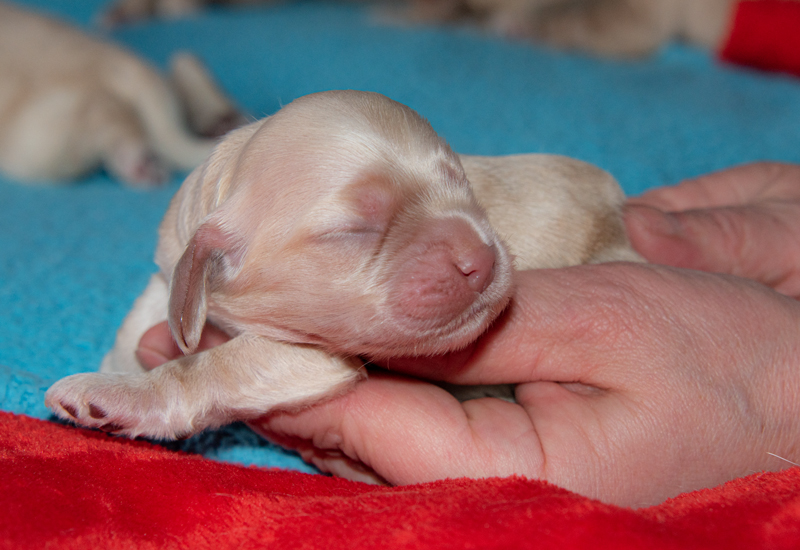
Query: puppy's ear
x=210, y=257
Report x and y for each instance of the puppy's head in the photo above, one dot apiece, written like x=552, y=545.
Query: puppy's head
x=343, y=221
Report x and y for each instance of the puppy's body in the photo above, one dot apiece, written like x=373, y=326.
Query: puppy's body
x=70, y=104
x=342, y=226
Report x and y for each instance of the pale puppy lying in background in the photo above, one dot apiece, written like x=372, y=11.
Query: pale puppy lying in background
x=604, y=27
x=619, y=28
x=341, y=227
x=70, y=104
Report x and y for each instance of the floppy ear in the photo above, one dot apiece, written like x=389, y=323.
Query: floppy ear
x=207, y=261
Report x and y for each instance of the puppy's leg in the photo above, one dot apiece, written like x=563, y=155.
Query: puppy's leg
x=241, y=379
x=134, y=163
x=148, y=310
x=209, y=111
x=122, y=143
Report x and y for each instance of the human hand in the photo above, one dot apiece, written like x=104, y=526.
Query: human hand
x=635, y=383
x=742, y=221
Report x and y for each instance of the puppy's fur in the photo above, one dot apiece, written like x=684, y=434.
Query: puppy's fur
x=343, y=226
x=70, y=103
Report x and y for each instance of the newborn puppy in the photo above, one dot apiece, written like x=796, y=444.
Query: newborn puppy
x=70, y=104
x=341, y=227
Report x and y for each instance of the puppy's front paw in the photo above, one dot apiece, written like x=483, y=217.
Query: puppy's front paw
x=120, y=403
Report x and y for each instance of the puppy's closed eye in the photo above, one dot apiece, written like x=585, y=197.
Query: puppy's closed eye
x=354, y=232
x=372, y=200
x=361, y=212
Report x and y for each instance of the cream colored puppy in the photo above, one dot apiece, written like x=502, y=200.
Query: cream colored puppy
x=341, y=227
x=70, y=103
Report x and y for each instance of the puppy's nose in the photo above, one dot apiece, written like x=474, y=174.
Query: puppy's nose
x=477, y=265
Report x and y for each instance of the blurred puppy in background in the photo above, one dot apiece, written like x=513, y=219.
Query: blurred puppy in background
x=620, y=28
x=70, y=104
x=617, y=28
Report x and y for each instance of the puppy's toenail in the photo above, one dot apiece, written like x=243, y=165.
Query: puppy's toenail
x=96, y=412
x=70, y=409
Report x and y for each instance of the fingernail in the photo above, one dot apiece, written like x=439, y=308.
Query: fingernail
x=653, y=220
x=150, y=358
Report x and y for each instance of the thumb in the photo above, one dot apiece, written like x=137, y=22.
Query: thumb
x=756, y=242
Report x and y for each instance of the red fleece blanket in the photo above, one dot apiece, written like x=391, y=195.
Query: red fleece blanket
x=64, y=487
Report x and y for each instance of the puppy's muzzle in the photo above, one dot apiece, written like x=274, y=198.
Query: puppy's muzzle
x=445, y=275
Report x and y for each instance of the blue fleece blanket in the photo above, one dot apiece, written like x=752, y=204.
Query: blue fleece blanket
x=74, y=257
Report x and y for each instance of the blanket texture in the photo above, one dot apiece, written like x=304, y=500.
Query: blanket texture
x=67, y=488
x=73, y=258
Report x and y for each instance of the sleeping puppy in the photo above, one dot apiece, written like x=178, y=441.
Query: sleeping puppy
x=70, y=104
x=341, y=227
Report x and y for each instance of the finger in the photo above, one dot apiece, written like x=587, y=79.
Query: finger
x=328, y=461
x=757, y=242
x=403, y=431
x=157, y=346
x=731, y=187
x=410, y=431
x=562, y=325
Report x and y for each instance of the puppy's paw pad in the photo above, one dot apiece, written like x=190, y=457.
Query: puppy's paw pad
x=123, y=404
x=96, y=412
x=72, y=411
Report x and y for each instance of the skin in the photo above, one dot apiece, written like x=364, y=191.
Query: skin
x=635, y=382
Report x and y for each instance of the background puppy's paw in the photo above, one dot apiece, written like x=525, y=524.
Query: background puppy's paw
x=138, y=166
x=122, y=404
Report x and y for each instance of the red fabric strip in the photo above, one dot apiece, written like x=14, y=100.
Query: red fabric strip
x=765, y=34
x=68, y=488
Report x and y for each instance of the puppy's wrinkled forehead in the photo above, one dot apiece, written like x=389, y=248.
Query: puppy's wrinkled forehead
x=325, y=141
